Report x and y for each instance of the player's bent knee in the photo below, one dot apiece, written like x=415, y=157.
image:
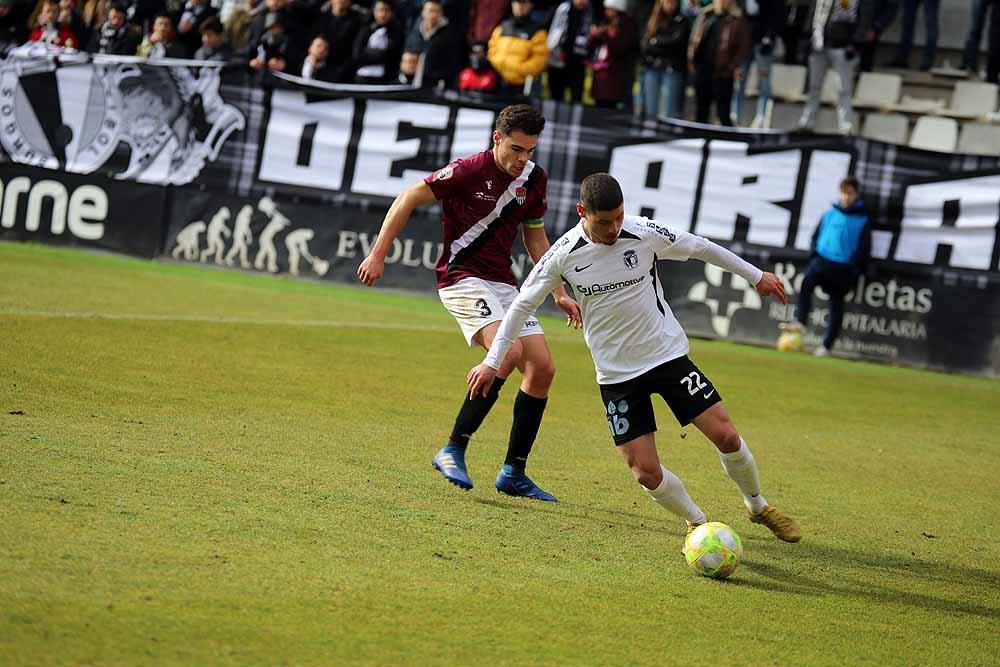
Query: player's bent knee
x=542, y=373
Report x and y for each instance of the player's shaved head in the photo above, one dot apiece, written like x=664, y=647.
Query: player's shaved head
x=601, y=192
x=523, y=117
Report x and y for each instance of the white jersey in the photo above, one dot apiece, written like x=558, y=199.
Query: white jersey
x=627, y=323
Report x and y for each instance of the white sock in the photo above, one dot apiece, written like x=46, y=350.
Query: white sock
x=672, y=495
x=742, y=468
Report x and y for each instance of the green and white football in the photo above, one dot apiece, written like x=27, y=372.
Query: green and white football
x=713, y=550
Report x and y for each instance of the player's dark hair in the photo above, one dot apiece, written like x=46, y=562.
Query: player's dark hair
x=523, y=117
x=850, y=182
x=601, y=192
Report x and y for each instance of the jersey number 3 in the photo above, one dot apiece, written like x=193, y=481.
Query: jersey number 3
x=484, y=308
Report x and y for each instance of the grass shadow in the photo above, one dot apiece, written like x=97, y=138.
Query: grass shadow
x=777, y=577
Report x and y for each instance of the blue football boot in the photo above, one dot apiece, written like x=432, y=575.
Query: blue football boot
x=518, y=484
x=450, y=461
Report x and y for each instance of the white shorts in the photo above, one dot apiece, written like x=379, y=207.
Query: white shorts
x=475, y=302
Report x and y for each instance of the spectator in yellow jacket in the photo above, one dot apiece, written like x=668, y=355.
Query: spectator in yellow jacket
x=517, y=48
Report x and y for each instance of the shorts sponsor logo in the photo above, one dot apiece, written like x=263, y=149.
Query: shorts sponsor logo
x=616, y=422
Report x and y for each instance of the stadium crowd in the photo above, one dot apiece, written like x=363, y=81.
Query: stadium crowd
x=502, y=47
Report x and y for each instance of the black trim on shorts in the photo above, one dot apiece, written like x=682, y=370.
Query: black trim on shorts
x=629, y=408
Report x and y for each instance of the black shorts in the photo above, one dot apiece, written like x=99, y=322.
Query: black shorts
x=685, y=389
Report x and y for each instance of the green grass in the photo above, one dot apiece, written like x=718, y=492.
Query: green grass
x=211, y=492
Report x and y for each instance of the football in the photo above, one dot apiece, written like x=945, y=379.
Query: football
x=713, y=550
x=790, y=341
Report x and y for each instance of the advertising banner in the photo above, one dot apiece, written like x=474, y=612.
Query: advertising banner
x=81, y=209
x=306, y=240
x=298, y=178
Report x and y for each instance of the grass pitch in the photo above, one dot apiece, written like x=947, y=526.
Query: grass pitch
x=226, y=468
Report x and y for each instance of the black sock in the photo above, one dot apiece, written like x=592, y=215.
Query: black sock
x=528, y=412
x=472, y=413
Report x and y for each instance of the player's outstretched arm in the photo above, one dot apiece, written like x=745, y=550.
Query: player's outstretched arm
x=536, y=242
x=770, y=284
x=373, y=266
x=764, y=282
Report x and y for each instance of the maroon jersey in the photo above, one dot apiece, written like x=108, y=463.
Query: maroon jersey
x=482, y=207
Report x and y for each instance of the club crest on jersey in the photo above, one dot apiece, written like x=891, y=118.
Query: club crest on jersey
x=520, y=194
x=631, y=259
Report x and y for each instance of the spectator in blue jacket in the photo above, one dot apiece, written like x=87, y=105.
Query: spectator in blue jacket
x=841, y=245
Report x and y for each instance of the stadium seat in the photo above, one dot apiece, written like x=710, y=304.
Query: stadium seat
x=979, y=139
x=876, y=90
x=831, y=88
x=784, y=116
x=827, y=121
x=932, y=133
x=890, y=128
x=788, y=82
x=972, y=99
x=915, y=105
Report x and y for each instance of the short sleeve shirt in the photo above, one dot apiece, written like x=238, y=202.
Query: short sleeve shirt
x=482, y=207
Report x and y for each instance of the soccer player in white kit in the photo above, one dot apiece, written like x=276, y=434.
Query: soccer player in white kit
x=638, y=346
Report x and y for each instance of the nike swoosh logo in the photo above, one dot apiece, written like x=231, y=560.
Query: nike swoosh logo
x=582, y=268
x=709, y=394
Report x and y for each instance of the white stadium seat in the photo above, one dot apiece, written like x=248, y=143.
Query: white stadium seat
x=788, y=82
x=932, y=133
x=831, y=88
x=979, y=139
x=890, y=128
x=876, y=90
x=972, y=99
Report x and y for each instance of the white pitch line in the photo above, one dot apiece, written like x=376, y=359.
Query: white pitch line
x=212, y=319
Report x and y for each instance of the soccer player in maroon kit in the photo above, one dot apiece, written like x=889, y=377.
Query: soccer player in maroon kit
x=485, y=198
